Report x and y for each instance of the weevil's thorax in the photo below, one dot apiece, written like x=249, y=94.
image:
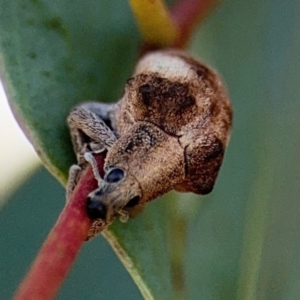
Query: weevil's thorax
x=149, y=156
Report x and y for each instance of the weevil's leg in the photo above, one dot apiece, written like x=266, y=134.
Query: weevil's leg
x=74, y=172
x=92, y=161
x=124, y=215
x=102, y=110
x=89, y=131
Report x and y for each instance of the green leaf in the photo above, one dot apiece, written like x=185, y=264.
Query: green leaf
x=142, y=245
x=243, y=242
x=55, y=55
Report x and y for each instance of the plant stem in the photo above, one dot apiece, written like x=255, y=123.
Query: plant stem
x=187, y=14
x=62, y=245
x=154, y=21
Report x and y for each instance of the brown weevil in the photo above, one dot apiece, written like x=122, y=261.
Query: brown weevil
x=169, y=131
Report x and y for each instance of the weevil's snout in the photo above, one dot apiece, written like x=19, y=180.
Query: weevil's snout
x=96, y=209
x=117, y=193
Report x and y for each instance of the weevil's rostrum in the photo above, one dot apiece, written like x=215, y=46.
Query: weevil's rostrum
x=169, y=131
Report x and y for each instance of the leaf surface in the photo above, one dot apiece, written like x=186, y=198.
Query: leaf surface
x=243, y=242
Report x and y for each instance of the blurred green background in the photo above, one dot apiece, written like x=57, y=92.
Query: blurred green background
x=242, y=240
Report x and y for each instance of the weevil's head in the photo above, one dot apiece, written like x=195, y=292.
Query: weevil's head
x=118, y=192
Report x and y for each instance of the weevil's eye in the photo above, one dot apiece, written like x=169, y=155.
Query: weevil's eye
x=133, y=202
x=96, y=209
x=145, y=89
x=114, y=175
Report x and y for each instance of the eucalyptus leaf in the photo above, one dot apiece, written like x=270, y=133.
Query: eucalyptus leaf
x=242, y=241
x=56, y=54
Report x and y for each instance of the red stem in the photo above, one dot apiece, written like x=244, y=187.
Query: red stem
x=187, y=14
x=62, y=244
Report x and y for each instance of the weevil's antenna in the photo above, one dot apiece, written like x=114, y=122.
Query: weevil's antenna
x=88, y=156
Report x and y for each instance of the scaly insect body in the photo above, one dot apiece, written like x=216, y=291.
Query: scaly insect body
x=172, y=124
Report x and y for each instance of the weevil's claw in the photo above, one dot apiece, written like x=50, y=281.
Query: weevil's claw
x=123, y=216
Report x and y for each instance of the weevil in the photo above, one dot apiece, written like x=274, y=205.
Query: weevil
x=168, y=131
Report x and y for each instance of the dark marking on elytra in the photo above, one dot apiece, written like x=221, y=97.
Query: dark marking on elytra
x=164, y=95
x=214, y=150
x=141, y=137
x=201, y=71
x=129, y=147
x=145, y=91
x=129, y=81
x=147, y=134
x=187, y=102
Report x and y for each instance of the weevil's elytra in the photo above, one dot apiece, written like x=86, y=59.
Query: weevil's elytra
x=169, y=131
